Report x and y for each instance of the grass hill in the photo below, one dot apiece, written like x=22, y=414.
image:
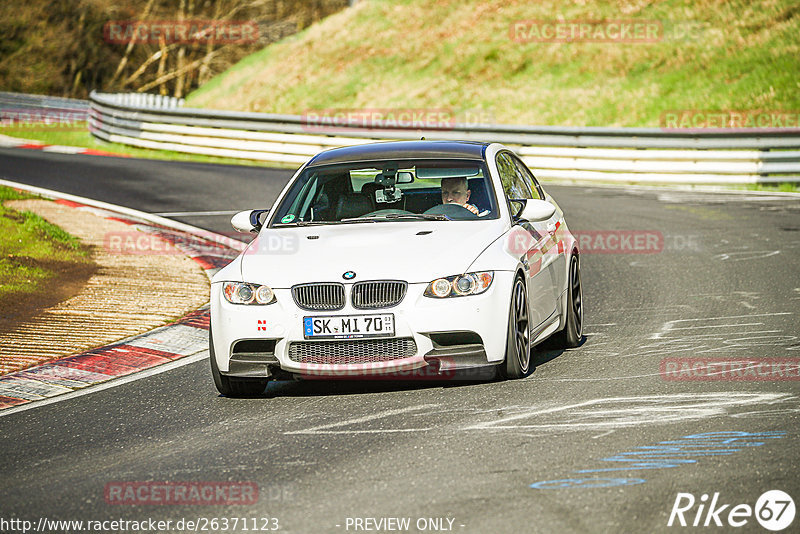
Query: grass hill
x=471, y=56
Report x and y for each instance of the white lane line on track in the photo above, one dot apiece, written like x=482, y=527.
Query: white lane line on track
x=746, y=255
x=323, y=429
x=669, y=326
x=713, y=326
x=194, y=213
x=686, y=336
x=729, y=317
x=619, y=412
x=110, y=384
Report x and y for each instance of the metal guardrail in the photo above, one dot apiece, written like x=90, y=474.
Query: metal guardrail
x=22, y=108
x=641, y=155
x=26, y=101
x=145, y=100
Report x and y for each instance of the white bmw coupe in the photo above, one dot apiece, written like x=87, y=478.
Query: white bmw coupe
x=388, y=259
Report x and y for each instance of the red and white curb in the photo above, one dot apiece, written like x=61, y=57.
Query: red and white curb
x=15, y=142
x=183, y=339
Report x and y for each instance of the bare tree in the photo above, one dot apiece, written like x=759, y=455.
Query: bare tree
x=178, y=66
x=129, y=48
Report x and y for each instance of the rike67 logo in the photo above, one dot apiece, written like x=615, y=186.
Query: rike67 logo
x=774, y=511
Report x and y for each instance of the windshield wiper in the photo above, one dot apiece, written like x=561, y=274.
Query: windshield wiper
x=304, y=223
x=359, y=219
x=371, y=219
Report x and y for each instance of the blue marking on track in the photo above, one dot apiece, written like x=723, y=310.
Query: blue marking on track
x=665, y=455
x=586, y=483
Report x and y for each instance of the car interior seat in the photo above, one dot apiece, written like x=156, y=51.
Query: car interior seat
x=352, y=205
x=368, y=190
x=478, y=196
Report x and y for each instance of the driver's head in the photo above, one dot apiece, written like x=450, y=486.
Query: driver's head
x=454, y=191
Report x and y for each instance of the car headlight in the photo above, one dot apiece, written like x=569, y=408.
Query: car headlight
x=460, y=285
x=244, y=293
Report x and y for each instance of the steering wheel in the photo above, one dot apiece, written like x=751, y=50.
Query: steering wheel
x=454, y=211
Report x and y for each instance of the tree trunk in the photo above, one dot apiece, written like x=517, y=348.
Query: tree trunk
x=162, y=89
x=124, y=61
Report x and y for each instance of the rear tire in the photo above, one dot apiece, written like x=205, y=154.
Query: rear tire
x=518, y=340
x=572, y=333
x=233, y=387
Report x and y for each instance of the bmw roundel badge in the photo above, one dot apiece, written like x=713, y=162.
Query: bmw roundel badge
x=349, y=275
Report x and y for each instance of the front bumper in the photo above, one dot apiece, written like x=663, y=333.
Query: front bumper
x=443, y=335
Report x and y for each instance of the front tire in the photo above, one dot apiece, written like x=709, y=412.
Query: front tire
x=233, y=387
x=518, y=340
x=572, y=334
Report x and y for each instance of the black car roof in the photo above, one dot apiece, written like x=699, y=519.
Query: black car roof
x=402, y=150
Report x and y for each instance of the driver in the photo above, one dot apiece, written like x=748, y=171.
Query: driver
x=454, y=191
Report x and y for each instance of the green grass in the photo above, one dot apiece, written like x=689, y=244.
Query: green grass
x=32, y=250
x=459, y=55
x=79, y=136
x=785, y=187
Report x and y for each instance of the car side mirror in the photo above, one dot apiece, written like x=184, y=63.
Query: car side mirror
x=536, y=210
x=249, y=220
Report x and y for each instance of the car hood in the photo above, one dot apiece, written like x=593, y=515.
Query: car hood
x=416, y=252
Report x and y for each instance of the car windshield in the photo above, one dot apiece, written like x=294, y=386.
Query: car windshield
x=388, y=191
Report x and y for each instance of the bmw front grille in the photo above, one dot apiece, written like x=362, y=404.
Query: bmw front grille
x=378, y=294
x=330, y=296
x=319, y=296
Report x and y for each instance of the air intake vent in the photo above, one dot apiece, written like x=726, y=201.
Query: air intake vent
x=352, y=351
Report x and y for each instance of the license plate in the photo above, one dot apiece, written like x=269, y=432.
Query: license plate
x=348, y=326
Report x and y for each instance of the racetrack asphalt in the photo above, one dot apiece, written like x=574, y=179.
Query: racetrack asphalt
x=607, y=435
